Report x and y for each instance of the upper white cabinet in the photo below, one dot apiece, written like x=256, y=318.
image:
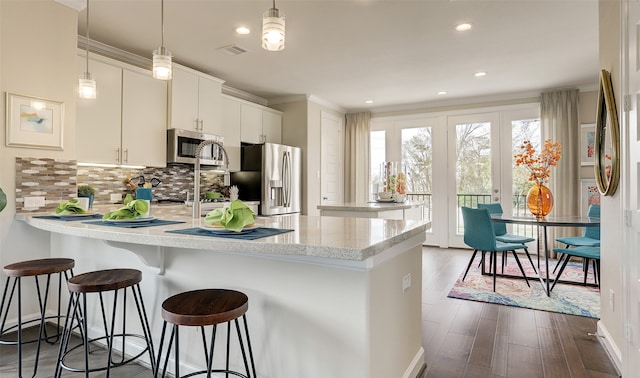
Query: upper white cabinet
x=144, y=119
x=260, y=124
x=195, y=101
x=272, y=126
x=250, y=124
x=231, y=124
x=126, y=123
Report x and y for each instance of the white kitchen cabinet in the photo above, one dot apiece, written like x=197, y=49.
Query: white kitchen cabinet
x=144, y=120
x=271, y=127
x=98, y=121
x=231, y=131
x=260, y=124
x=251, y=124
x=126, y=122
x=195, y=101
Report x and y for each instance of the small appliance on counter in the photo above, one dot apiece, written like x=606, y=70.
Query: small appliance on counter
x=271, y=174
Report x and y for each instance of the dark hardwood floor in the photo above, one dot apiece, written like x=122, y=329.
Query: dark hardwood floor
x=472, y=339
x=461, y=338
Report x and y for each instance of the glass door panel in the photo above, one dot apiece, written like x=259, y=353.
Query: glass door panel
x=377, y=156
x=417, y=155
x=475, y=170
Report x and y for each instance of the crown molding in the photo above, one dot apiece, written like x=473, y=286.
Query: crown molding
x=115, y=53
x=233, y=92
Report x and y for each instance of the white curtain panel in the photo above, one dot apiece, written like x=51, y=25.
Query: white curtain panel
x=559, y=117
x=356, y=155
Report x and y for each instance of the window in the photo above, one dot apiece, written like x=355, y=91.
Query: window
x=377, y=154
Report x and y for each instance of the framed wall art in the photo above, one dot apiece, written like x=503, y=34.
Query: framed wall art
x=34, y=122
x=587, y=144
x=589, y=195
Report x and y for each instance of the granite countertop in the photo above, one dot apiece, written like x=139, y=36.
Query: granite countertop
x=355, y=239
x=372, y=206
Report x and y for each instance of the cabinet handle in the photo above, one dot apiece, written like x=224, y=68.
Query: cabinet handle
x=201, y=125
x=117, y=155
x=126, y=155
x=197, y=124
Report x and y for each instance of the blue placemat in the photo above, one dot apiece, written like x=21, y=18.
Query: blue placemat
x=155, y=222
x=260, y=232
x=67, y=219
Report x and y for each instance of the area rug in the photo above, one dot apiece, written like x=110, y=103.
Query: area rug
x=565, y=298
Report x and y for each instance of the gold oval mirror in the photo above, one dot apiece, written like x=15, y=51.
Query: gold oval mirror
x=607, y=142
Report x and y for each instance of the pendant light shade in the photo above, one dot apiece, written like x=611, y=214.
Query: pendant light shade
x=162, y=64
x=87, y=86
x=273, y=29
x=162, y=57
x=86, y=83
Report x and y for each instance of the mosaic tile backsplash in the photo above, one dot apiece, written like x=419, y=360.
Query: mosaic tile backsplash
x=56, y=180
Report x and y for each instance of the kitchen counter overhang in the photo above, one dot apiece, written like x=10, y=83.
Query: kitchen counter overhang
x=355, y=243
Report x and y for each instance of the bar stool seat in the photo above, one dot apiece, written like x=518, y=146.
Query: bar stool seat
x=32, y=268
x=103, y=281
x=207, y=307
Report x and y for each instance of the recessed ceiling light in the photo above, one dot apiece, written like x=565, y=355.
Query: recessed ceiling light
x=243, y=30
x=442, y=93
x=368, y=102
x=480, y=74
x=463, y=27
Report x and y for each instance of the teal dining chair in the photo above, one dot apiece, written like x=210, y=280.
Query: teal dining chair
x=479, y=234
x=588, y=254
x=590, y=236
x=503, y=236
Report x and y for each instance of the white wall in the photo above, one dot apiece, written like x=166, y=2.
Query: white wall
x=301, y=127
x=611, y=211
x=37, y=58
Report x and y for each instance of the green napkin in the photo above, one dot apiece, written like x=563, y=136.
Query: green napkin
x=131, y=210
x=69, y=207
x=234, y=218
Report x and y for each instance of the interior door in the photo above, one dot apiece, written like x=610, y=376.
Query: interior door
x=331, y=160
x=474, y=167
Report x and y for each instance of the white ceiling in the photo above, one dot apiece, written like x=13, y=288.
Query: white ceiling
x=396, y=53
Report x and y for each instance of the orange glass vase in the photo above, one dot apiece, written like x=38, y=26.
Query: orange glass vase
x=540, y=200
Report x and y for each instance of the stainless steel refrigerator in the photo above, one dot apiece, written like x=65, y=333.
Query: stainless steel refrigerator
x=270, y=173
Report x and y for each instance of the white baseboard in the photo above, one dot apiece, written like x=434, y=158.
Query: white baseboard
x=416, y=365
x=609, y=345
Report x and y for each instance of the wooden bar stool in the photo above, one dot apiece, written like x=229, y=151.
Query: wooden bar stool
x=200, y=308
x=32, y=268
x=102, y=281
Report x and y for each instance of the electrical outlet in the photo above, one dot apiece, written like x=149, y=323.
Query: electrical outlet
x=612, y=300
x=406, y=282
x=115, y=197
x=33, y=202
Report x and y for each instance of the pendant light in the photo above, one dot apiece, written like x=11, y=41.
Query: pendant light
x=162, y=56
x=87, y=84
x=273, y=29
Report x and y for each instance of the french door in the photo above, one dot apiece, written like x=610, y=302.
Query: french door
x=455, y=160
x=480, y=149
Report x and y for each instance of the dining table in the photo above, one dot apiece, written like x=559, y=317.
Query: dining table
x=542, y=224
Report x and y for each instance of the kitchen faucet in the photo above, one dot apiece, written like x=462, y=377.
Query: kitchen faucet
x=196, y=174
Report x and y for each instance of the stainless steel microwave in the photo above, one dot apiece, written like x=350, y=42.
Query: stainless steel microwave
x=182, y=144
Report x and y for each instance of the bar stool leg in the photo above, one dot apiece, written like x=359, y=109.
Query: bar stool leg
x=42, y=304
x=146, y=328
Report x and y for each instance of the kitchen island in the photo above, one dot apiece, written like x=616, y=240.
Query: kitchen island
x=407, y=210
x=335, y=297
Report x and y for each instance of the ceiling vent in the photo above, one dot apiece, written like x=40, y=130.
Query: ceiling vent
x=232, y=50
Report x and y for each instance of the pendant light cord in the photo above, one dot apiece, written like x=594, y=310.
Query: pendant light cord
x=86, y=45
x=162, y=21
